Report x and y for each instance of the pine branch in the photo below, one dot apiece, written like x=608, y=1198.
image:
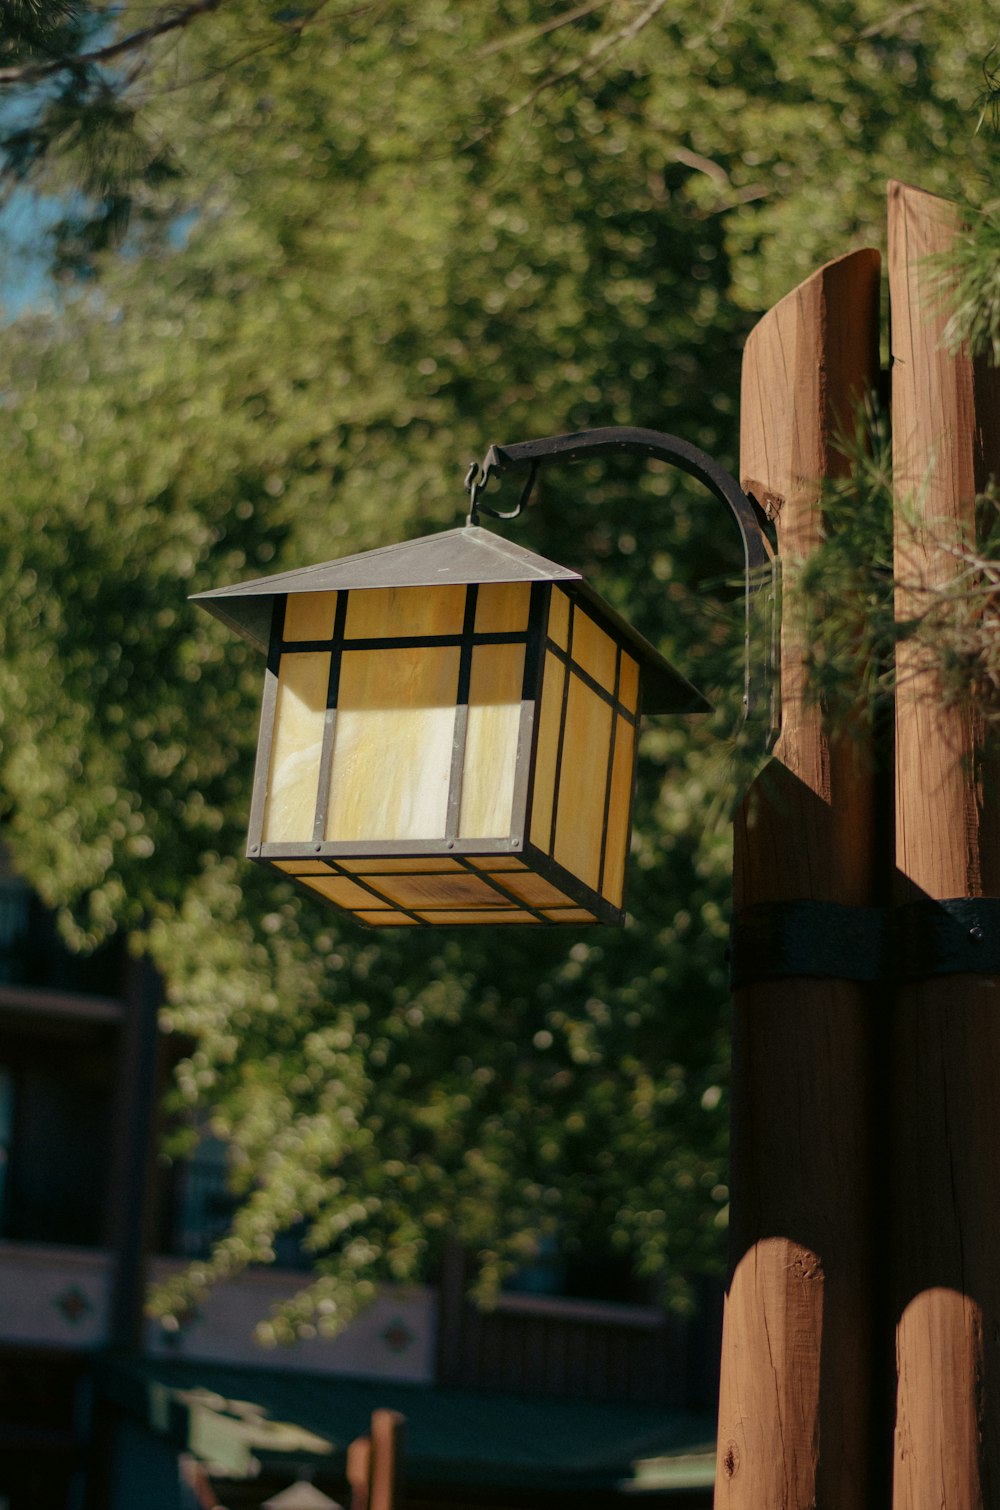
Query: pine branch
x=32, y=73
x=592, y=60
x=532, y=33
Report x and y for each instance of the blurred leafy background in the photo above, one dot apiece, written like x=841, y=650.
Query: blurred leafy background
x=292, y=268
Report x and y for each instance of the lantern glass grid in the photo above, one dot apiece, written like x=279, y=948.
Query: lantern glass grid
x=448, y=754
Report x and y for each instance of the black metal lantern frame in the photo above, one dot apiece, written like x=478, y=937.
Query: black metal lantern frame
x=572, y=655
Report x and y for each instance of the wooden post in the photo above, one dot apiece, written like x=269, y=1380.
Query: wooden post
x=796, y=1413
x=387, y=1459
x=139, y=1073
x=945, y=1174
x=359, y=1463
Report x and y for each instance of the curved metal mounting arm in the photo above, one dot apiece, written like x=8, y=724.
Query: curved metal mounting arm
x=761, y=565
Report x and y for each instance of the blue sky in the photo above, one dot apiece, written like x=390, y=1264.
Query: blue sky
x=24, y=276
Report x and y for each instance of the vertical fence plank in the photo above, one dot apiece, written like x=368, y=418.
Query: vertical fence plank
x=945, y=1175
x=359, y=1462
x=796, y=1416
x=387, y=1459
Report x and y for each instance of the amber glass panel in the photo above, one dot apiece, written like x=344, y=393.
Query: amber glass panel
x=571, y=915
x=384, y=612
x=628, y=683
x=309, y=615
x=582, y=783
x=616, y=852
x=491, y=741
x=547, y=752
x=502, y=607
x=382, y=919
x=398, y=867
x=478, y=917
x=393, y=744
x=296, y=744
x=302, y=867
x=559, y=618
x=342, y=891
x=535, y=890
x=498, y=862
x=451, y=891
x=594, y=650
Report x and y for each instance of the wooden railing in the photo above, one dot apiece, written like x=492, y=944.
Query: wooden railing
x=565, y=1348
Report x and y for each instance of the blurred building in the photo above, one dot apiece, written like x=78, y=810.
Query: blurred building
x=575, y=1390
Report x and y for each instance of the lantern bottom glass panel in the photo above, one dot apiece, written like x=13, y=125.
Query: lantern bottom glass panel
x=433, y=890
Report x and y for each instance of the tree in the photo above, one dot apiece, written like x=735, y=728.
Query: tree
x=419, y=229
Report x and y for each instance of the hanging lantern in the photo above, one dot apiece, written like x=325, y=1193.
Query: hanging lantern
x=448, y=732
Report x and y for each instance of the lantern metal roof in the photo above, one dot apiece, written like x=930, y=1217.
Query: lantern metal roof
x=451, y=558
x=302, y=1495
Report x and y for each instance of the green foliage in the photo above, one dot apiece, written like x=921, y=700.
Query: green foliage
x=402, y=233
x=44, y=29
x=846, y=592
x=955, y=624
x=990, y=97
x=845, y=587
x=970, y=286
x=71, y=124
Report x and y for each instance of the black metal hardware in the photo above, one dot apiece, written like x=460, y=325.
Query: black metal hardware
x=960, y=936
x=773, y=940
x=670, y=448
x=476, y=480
x=916, y=941
x=760, y=563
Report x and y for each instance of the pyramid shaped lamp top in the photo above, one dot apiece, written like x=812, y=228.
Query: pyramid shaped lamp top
x=301, y=1496
x=451, y=558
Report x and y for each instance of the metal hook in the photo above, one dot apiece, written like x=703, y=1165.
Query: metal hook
x=473, y=482
x=476, y=479
x=761, y=566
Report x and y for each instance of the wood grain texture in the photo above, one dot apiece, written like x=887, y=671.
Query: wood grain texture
x=386, y=1460
x=796, y=1423
x=946, y=1033
x=943, y=434
x=359, y=1462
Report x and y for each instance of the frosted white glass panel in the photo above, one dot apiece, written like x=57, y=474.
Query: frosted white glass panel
x=628, y=689
x=547, y=752
x=384, y=612
x=502, y=607
x=310, y=615
x=381, y=867
x=594, y=650
x=583, y=779
x=299, y=715
x=393, y=744
x=619, y=809
x=478, y=917
x=535, y=890
x=559, y=617
x=342, y=890
x=491, y=741
x=462, y=890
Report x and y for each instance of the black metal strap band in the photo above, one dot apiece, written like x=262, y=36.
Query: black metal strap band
x=916, y=941
x=956, y=937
